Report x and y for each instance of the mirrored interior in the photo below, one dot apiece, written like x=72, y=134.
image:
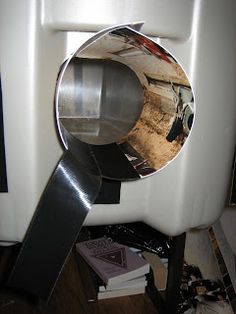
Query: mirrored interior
x=100, y=100
x=127, y=90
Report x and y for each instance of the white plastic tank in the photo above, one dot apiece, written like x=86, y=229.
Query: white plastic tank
x=35, y=39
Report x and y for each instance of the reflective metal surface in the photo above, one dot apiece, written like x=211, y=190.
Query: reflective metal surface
x=99, y=100
x=123, y=89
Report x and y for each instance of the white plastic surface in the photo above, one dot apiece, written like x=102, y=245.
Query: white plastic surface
x=166, y=19
x=35, y=38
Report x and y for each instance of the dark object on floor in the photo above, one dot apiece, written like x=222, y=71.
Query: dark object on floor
x=137, y=235
x=195, y=289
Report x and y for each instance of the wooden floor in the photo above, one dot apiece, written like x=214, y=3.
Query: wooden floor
x=68, y=297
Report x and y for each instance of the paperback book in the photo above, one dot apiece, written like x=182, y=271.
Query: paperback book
x=120, y=292
x=114, y=263
x=136, y=282
x=96, y=289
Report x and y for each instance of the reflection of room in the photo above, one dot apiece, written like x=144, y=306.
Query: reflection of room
x=167, y=95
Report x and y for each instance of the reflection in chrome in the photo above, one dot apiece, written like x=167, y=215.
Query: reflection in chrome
x=123, y=88
x=100, y=100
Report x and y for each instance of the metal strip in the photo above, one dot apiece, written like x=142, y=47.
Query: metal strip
x=54, y=229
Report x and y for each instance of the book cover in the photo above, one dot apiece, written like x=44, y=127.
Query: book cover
x=94, y=287
x=113, y=262
x=89, y=278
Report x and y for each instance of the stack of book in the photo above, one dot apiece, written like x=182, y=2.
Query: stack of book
x=117, y=270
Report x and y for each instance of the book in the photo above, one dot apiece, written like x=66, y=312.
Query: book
x=88, y=278
x=137, y=282
x=120, y=292
x=113, y=262
x=95, y=289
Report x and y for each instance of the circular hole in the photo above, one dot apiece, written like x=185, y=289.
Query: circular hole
x=130, y=99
